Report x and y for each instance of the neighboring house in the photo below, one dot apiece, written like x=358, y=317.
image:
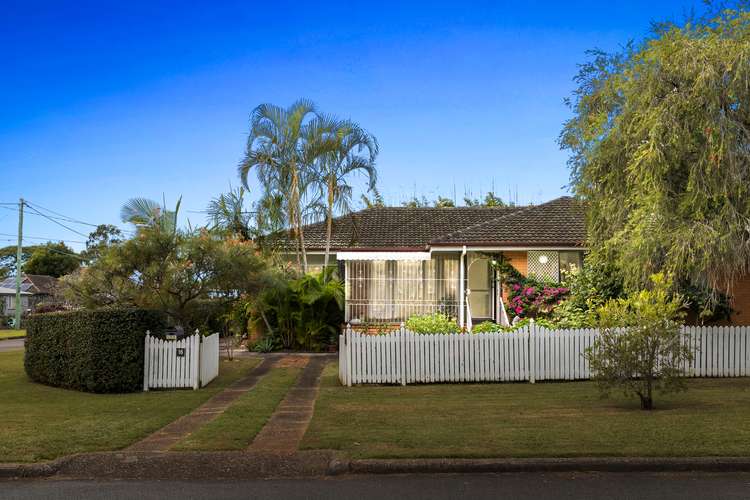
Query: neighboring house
x=399, y=261
x=35, y=288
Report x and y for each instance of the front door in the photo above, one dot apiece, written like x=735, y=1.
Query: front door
x=480, y=283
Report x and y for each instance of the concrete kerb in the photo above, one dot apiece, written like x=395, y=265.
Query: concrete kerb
x=245, y=465
x=583, y=464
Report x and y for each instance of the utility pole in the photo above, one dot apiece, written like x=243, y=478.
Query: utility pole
x=19, y=256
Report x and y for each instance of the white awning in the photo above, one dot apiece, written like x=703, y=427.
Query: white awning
x=382, y=255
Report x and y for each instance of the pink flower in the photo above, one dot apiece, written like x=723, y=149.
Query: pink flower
x=529, y=291
x=518, y=309
x=516, y=287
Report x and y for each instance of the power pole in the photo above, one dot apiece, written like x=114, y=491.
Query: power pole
x=19, y=257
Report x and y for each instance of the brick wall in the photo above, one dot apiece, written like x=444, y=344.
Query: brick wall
x=518, y=260
x=741, y=302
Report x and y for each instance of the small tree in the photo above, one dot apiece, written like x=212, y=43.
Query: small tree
x=640, y=348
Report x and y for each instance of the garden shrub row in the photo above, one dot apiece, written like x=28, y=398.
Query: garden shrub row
x=93, y=351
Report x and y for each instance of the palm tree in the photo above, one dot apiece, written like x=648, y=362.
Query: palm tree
x=227, y=212
x=144, y=212
x=277, y=150
x=344, y=149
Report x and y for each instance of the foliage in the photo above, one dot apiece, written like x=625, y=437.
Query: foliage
x=142, y=212
x=535, y=299
x=93, y=351
x=641, y=348
x=302, y=313
x=52, y=259
x=590, y=288
x=172, y=272
x=265, y=345
x=279, y=150
x=104, y=236
x=343, y=149
x=436, y=323
x=8, y=258
x=490, y=200
x=373, y=201
x=227, y=213
x=659, y=146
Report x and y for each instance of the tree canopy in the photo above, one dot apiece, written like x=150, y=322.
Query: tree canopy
x=52, y=259
x=660, y=149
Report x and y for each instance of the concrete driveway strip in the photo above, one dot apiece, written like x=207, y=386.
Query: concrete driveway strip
x=288, y=424
x=168, y=436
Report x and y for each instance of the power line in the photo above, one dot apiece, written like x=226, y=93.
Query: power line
x=65, y=217
x=59, y=223
x=44, y=238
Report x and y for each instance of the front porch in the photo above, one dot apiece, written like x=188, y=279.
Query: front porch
x=389, y=287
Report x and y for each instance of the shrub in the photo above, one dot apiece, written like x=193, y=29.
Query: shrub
x=432, y=323
x=93, y=351
x=303, y=313
x=640, y=348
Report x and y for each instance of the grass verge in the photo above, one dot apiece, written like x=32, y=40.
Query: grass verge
x=38, y=422
x=525, y=420
x=240, y=423
x=9, y=334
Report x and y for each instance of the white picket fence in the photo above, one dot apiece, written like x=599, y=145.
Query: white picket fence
x=191, y=362
x=528, y=354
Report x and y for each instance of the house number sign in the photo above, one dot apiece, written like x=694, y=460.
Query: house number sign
x=180, y=352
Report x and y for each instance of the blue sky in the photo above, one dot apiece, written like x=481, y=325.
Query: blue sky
x=100, y=102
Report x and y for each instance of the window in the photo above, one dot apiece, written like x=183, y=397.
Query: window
x=393, y=290
x=570, y=262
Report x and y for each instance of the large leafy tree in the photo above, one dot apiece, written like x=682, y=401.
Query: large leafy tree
x=100, y=239
x=8, y=258
x=660, y=149
x=52, y=259
x=344, y=150
x=169, y=271
x=279, y=151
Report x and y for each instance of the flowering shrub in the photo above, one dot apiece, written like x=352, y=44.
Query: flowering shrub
x=432, y=323
x=531, y=299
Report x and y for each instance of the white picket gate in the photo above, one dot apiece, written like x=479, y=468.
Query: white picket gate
x=528, y=354
x=188, y=363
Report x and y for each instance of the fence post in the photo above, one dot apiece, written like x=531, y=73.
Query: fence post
x=196, y=348
x=402, y=341
x=348, y=355
x=532, y=353
x=146, y=360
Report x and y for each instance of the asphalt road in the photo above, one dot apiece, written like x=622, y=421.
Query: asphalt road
x=11, y=345
x=537, y=486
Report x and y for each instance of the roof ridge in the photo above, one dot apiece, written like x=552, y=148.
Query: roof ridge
x=523, y=209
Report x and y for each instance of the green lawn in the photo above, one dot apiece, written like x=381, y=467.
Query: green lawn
x=237, y=426
x=525, y=420
x=39, y=422
x=8, y=334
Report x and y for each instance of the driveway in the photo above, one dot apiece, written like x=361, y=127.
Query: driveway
x=11, y=345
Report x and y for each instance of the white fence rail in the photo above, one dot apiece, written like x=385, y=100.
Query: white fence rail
x=188, y=363
x=527, y=354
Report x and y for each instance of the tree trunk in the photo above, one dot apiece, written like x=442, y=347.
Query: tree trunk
x=329, y=225
x=647, y=401
x=297, y=216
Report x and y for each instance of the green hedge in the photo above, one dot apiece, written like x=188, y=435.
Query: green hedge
x=93, y=351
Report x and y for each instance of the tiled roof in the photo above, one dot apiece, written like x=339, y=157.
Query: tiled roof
x=557, y=223
x=32, y=283
x=560, y=222
x=398, y=227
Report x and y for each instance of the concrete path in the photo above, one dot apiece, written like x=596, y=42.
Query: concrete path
x=288, y=424
x=11, y=345
x=168, y=436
